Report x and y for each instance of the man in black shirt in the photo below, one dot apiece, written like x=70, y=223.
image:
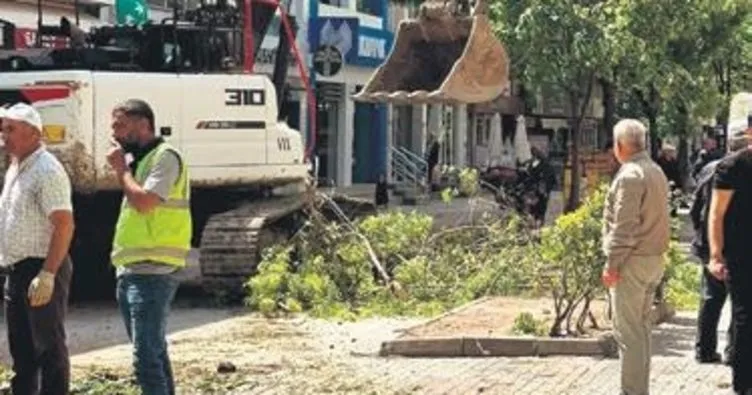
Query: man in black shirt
x=713, y=293
x=729, y=230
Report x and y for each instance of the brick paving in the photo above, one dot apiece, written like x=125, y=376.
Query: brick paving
x=674, y=371
x=341, y=358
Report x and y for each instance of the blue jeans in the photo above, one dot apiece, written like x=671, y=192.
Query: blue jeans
x=144, y=301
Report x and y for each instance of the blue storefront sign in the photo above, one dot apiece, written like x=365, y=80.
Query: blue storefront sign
x=359, y=45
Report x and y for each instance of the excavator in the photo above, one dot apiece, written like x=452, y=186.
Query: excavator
x=196, y=69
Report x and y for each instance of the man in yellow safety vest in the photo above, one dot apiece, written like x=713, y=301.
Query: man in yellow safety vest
x=152, y=237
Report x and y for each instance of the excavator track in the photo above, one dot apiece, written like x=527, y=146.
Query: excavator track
x=232, y=242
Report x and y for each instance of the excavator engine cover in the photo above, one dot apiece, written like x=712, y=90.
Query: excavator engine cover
x=441, y=57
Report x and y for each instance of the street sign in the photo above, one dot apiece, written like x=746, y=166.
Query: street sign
x=131, y=12
x=327, y=60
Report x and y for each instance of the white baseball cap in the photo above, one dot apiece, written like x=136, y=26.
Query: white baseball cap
x=24, y=113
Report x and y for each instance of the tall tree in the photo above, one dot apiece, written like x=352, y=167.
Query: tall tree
x=669, y=51
x=563, y=46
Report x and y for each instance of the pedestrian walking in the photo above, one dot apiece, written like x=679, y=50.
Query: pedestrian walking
x=152, y=238
x=729, y=224
x=36, y=228
x=432, y=159
x=381, y=194
x=708, y=153
x=635, y=237
x=713, y=292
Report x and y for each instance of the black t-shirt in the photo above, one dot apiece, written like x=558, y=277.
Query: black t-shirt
x=734, y=172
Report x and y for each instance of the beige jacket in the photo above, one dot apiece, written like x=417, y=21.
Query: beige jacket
x=636, y=212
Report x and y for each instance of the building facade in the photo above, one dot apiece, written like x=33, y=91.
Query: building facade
x=23, y=16
x=347, y=40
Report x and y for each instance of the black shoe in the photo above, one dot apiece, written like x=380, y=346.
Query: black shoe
x=712, y=358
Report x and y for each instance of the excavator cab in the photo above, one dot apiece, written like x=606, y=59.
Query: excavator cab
x=448, y=54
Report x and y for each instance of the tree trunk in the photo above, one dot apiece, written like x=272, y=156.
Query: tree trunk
x=652, y=114
x=561, y=318
x=574, y=187
x=649, y=103
x=683, y=149
x=584, y=314
x=609, y=107
x=578, y=108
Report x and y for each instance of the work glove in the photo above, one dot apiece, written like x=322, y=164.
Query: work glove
x=41, y=287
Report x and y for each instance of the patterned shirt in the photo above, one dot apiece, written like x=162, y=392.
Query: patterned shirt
x=32, y=190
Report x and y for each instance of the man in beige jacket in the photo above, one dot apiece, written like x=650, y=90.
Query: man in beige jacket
x=635, y=237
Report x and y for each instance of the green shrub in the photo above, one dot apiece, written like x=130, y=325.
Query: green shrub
x=434, y=271
x=459, y=182
x=682, y=288
x=570, y=262
x=468, y=181
x=526, y=324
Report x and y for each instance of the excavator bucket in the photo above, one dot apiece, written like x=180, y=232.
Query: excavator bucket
x=441, y=57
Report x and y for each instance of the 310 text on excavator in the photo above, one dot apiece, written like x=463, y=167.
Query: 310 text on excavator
x=244, y=97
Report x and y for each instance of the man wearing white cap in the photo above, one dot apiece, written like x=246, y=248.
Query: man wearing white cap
x=36, y=228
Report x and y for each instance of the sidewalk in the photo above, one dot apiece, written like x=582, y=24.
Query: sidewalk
x=674, y=370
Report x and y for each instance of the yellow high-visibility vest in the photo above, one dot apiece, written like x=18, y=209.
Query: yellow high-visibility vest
x=162, y=235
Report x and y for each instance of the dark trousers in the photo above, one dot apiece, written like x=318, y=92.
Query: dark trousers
x=739, y=279
x=36, y=335
x=712, y=298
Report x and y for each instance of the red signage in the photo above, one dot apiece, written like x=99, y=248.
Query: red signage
x=27, y=38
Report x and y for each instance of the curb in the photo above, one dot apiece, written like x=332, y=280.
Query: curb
x=508, y=346
x=604, y=346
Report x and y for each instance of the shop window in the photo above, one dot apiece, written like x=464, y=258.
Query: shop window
x=371, y=7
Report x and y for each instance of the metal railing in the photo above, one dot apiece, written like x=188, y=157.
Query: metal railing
x=415, y=158
x=409, y=173
x=406, y=170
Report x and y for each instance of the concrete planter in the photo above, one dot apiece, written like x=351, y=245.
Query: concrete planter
x=506, y=346
x=509, y=346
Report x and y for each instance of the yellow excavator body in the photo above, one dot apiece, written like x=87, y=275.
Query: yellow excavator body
x=441, y=57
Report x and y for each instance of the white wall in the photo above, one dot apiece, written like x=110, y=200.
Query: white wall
x=345, y=138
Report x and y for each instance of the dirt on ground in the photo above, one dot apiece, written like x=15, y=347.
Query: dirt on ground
x=222, y=351
x=491, y=317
